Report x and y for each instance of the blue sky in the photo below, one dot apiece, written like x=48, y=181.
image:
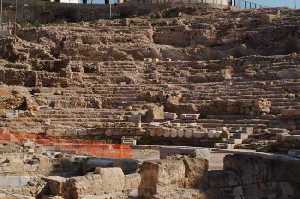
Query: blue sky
x=289, y=3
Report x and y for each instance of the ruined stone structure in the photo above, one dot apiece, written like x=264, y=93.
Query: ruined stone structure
x=133, y=77
x=185, y=76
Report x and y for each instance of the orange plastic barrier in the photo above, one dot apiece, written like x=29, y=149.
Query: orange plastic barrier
x=75, y=146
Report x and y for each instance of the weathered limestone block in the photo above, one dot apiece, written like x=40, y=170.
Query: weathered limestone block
x=263, y=105
x=106, y=180
x=149, y=179
x=171, y=171
x=56, y=185
x=154, y=113
x=162, y=173
x=132, y=181
x=195, y=172
x=113, y=178
x=83, y=185
x=184, y=172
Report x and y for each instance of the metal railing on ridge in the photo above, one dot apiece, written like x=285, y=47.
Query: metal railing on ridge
x=243, y=4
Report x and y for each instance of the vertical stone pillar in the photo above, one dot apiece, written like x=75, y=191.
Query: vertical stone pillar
x=149, y=180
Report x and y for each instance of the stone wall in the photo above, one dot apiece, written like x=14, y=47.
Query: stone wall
x=256, y=176
x=31, y=78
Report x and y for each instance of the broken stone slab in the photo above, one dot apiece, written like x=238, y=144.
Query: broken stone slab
x=202, y=153
x=189, y=116
x=170, y=116
x=55, y=184
x=107, y=180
